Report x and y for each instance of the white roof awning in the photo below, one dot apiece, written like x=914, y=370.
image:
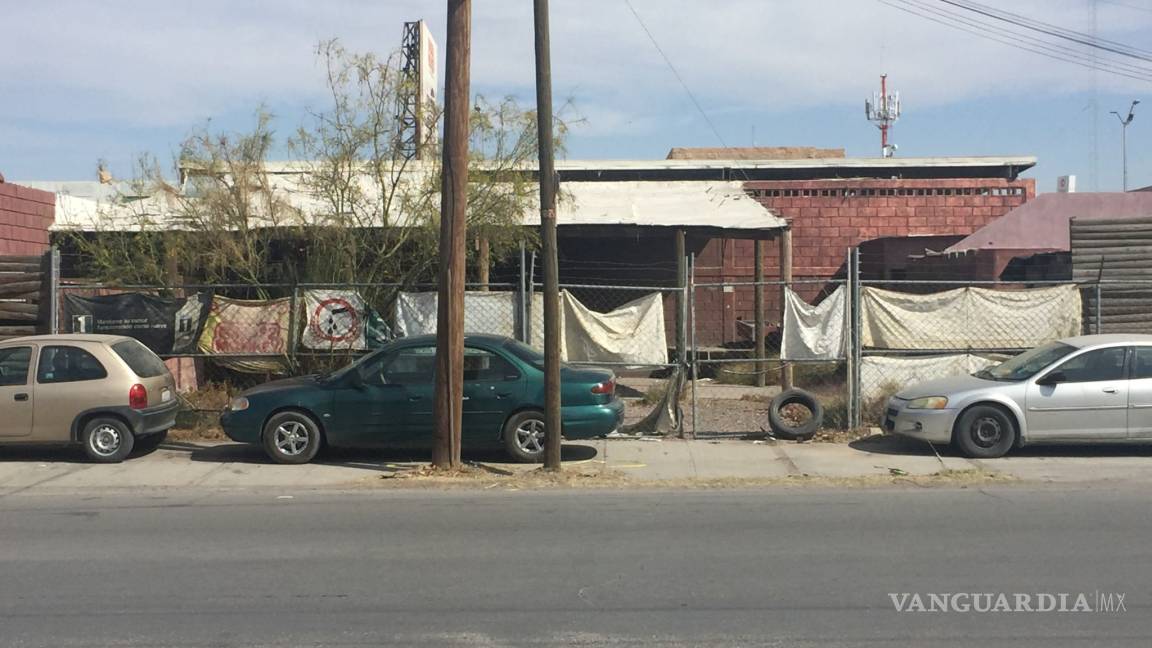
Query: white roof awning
x=682, y=204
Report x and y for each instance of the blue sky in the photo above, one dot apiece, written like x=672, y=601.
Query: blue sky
x=83, y=81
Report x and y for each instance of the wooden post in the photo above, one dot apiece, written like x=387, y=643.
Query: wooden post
x=758, y=301
x=449, y=395
x=548, y=239
x=483, y=262
x=785, y=284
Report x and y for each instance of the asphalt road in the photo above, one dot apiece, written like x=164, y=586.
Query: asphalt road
x=792, y=567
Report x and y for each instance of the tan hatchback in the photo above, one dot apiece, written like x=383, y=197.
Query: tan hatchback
x=109, y=393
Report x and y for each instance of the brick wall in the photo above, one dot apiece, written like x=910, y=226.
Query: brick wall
x=25, y=216
x=828, y=217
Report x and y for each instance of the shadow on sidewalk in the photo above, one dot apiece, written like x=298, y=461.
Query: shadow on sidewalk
x=891, y=444
x=382, y=459
x=43, y=454
x=898, y=445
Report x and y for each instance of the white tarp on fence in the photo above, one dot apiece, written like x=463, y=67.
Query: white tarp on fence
x=969, y=318
x=815, y=332
x=882, y=376
x=633, y=333
x=484, y=312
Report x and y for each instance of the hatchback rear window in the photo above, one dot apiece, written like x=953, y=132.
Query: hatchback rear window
x=140, y=359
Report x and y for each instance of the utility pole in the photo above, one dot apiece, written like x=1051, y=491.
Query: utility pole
x=1124, y=121
x=548, y=188
x=449, y=396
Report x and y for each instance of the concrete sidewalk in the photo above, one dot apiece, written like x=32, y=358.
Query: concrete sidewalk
x=228, y=466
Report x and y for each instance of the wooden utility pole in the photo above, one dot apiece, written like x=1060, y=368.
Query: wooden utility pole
x=548, y=188
x=785, y=284
x=453, y=250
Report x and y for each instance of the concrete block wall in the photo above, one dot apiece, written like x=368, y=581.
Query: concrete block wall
x=25, y=216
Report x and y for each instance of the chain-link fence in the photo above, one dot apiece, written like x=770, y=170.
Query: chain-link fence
x=851, y=339
x=240, y=334
x=734, y=378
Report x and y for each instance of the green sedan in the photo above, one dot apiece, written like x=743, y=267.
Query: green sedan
x=384, y=399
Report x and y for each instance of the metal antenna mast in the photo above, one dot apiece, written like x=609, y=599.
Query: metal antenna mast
x=883, y=109
x=408, y=121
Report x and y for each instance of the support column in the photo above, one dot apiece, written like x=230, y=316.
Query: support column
x=785, y=283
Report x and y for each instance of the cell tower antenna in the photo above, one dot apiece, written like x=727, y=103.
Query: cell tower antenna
x=407, y=144
x=883, y=109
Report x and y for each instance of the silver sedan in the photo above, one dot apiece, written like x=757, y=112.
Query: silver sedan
x=1087, y=389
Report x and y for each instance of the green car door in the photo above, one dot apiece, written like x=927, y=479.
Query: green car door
x=412, y=371
x=493, y=388
x=370, y=411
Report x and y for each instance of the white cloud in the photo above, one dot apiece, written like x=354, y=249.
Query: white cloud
x=174, y=64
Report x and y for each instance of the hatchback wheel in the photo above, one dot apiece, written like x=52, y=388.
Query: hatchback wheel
x=524, y=437
x=984, y=432
x=107, y=440
x=291, y=438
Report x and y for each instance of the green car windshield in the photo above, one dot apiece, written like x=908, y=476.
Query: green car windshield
x=1027, y=364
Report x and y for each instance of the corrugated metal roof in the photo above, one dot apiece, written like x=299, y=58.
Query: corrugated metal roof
x=1041, y=224
x=719, y=205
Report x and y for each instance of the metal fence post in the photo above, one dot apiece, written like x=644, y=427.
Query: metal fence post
x=855, y=353
x=54, y=291
x=692, y=332
x=1098, y=309
x=523, y=296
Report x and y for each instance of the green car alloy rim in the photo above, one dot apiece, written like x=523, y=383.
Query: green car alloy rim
x=291, y=438
x=530, y=436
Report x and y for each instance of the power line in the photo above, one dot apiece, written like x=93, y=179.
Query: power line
x=1087, y=59
x=1127, y=5
x=1052, y=30
x=676, y=74
x=1013, y=39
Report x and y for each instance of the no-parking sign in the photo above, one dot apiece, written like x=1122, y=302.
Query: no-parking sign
x=339, y=319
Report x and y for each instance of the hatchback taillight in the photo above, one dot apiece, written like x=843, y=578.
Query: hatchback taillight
x=138, y=397
x=607, y=387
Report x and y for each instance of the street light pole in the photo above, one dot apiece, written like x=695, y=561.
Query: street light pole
x=1124, y=121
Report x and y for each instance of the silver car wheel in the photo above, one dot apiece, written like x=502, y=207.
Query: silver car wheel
x=291, y=438
x=106, y=440
x=530, y=436
x=986, y=432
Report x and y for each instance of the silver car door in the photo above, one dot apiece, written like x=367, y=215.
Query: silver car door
x=1090, y=403
x=1140, y=394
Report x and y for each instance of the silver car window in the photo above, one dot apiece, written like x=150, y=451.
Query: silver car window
x=1142, y=367
x=1095, y=366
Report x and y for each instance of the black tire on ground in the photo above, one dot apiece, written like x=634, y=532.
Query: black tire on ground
x=524, y=437
x=292, y=438
x=984, y=432
x=107, y=440
x=147, y=444
x=783, y=428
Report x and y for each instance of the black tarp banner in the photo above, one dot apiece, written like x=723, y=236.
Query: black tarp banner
x=164, y=325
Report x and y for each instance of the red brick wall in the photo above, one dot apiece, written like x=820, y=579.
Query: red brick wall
x=25, y=216
x=828, y=217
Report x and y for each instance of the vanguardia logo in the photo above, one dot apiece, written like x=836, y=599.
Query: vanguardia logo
x=983, y=602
